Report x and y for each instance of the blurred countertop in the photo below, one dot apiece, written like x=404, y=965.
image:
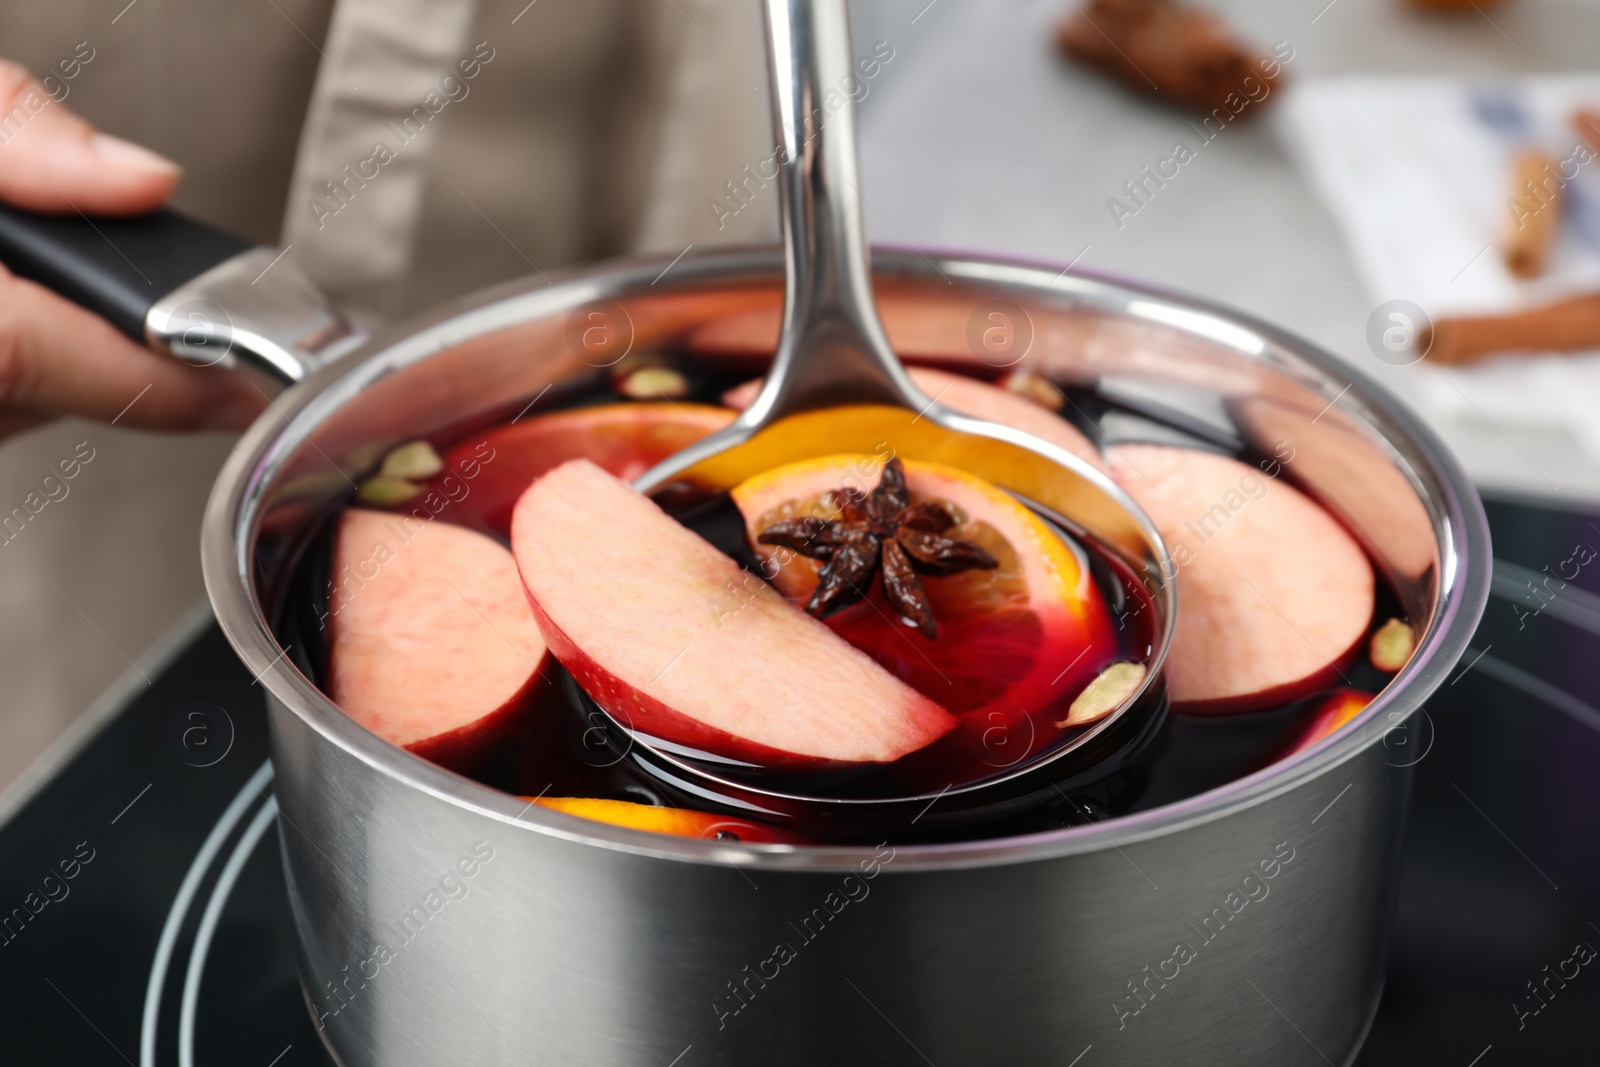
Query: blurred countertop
x=984, y=139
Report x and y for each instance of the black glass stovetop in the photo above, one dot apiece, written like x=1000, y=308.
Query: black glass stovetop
x=143, y=918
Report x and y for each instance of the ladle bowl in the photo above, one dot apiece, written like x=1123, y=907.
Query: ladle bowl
x=1013, y=772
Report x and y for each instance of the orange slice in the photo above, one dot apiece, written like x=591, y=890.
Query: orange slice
x=1334, y=713
x=678, y=822
x=980, y=400
x=1026, y=635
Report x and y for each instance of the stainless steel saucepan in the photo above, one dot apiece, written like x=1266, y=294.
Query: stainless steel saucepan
x=441, y=921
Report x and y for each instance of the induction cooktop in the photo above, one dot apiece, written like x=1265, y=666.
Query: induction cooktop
x=143, y=916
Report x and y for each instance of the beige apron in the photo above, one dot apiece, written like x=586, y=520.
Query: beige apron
x=598, y=128
x=411, y=183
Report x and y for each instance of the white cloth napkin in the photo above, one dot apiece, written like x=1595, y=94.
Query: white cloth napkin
x=1418, y=179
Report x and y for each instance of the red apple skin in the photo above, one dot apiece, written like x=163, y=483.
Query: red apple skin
x=587, y=546
x=465, y=748
x=1275, y=600
x=414, y=656
x=1331, y=675
x=488, y=471
x=643, y=713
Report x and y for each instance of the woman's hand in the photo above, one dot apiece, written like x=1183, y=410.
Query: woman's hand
x=55, y=358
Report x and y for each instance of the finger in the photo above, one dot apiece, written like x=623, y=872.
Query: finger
x=55, y=161
x=14, y=420
x=57, y=359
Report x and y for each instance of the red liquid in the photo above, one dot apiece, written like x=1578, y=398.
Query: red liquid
x=568, y=748
x=1008, y=679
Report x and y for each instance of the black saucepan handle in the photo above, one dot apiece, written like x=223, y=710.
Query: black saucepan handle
x=116, y=267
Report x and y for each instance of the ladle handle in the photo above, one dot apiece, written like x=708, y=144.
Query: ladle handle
x=832, y=347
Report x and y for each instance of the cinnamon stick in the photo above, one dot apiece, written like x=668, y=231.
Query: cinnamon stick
x=1586, y=120
x=1565, y=326
x=1170, y=50
x=1456, y=7
x=1535, y=213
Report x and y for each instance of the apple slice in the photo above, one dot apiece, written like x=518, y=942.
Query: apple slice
x=980, y=400
x=675, y=640
x=1273, y=594
x=485, y=472
x=432, y=641
x=1353, y=473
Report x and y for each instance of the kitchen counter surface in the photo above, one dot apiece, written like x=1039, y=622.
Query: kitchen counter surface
x=987, y=140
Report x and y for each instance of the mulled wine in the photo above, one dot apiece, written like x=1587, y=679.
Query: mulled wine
x=858, y=646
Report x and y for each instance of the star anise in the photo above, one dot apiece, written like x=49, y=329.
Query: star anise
x=884, y=531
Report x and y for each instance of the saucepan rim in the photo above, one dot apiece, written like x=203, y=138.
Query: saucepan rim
x=233, y=514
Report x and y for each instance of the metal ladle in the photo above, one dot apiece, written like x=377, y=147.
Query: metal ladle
x=836, y=385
